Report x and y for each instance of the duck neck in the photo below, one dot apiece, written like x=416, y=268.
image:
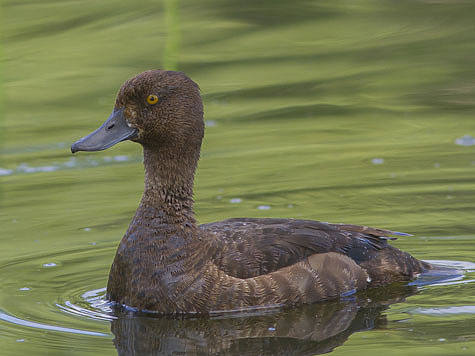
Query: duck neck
x=168, y=194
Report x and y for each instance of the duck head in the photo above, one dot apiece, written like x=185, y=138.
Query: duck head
x=157, y=109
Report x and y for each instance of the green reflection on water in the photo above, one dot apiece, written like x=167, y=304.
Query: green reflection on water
x=338, y=111
x=172, y=48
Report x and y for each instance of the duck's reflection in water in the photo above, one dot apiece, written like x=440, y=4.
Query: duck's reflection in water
x=307, y=330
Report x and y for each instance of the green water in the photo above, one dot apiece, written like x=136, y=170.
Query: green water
x=341, y=111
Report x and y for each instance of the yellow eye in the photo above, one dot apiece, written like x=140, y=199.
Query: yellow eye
x=152, y=99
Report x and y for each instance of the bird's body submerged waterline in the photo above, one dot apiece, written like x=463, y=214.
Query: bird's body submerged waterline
x=167, y=263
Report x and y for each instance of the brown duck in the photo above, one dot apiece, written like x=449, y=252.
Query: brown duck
x=169, y=264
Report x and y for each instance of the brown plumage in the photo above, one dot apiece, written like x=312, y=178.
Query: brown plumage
x=169, y=264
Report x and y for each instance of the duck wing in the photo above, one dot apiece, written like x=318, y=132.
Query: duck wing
x=250, y=247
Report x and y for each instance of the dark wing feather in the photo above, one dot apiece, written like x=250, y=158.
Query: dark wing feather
x=250, y=247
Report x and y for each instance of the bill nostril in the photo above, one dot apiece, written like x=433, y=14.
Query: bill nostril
x=110, y=126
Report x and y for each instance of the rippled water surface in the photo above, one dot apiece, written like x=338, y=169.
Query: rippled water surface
x=359, y=112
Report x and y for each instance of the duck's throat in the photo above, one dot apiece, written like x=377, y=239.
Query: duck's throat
x=168, y=194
